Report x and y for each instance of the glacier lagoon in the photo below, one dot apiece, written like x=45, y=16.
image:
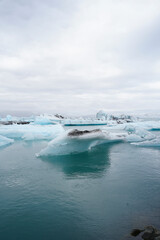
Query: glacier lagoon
x=99, y=194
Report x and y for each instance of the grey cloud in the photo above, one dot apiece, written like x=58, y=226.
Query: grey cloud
x=78, y=55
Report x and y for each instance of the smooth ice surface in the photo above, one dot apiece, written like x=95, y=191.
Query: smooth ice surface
x=5, y=141
x=31, y=132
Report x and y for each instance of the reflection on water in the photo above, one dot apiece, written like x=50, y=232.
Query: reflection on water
x=3, y=147
x=91, y=164
x=83, y=196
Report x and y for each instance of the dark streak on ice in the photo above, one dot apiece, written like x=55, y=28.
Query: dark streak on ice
x=77, y=132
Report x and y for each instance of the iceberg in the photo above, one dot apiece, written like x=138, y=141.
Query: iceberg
x=31, y=132
x=130, y=127
x=45, y=119
x=75, y=141
x=10, y=120
x=116, y=118
x=5, y=141
x=152, y=143
x=137, y=134
x=101, y=115
x=42, y=121
x=148, y=125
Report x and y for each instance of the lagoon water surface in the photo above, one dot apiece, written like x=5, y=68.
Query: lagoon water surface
x=100, y=194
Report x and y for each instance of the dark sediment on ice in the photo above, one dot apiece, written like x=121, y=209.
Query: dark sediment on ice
x=77, y=132
x=14, y=122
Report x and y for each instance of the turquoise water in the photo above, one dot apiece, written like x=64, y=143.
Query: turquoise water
x=101, y=194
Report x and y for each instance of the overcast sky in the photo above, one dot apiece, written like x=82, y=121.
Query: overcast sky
x=79, y=56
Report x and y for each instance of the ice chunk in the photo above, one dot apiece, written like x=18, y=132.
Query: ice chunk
x=148, y=125
x=101, y=115
x=5, y=141
x=152, y=143
x=45, y=119
x=137, y=134
x=31, y=132
x=75, y=141
x=42, y=121
x=116, y=118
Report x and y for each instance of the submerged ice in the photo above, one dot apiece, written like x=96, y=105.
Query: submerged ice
x=5, y=141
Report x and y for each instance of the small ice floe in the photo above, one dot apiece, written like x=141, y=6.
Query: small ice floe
x=5, y=141
x=31, y=132
x=42, y=121
x=75, y=141
x=10, y=120
x=148, y=125
x=137, y=134
x=152, y=143
x=47, y=119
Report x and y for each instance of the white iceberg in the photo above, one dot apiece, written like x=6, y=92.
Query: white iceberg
x=31, y=132
x=101, y=115
x=148, y=125
x=152, y=143
x=47, y=119
x=5, y=141
x=42, y=121
x=74, y=141
x=137, y=134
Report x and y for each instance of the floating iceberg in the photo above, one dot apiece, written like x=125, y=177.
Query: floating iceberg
x=42, y=121
x=101, y=115
x=45, y=119
x=137, y=134
x=148, y=125
x=31, y=132
x=152, y=143
x=76, y=141
x=10, y=120
x=116, y=118
x=152, y=125
x=5, y=141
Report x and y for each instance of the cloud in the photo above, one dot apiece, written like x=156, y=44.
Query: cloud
x=79, y=56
